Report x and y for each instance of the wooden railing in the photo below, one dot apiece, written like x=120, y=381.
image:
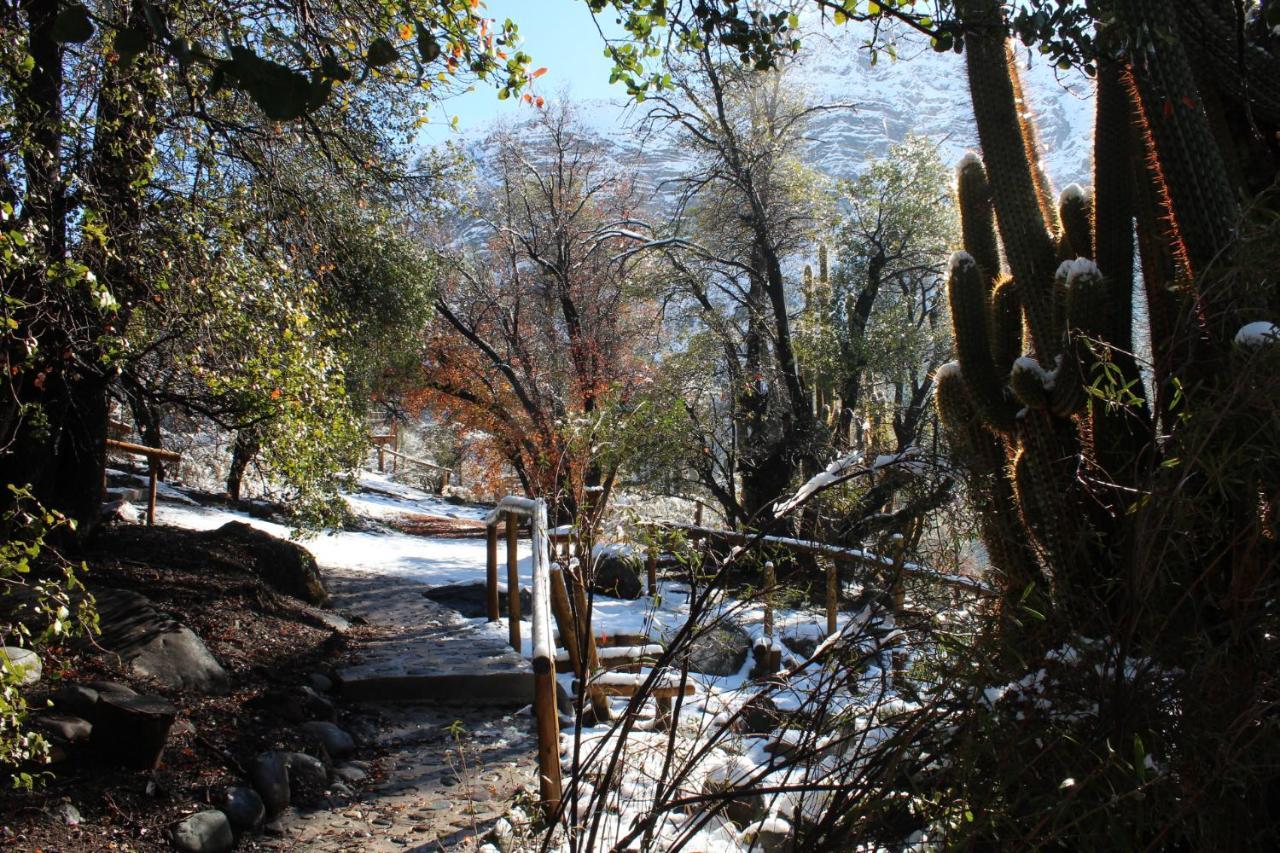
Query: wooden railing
x=837, y=556
x=153, y=456
x=545, y=712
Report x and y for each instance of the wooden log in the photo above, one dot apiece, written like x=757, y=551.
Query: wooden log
x=513, y=583
x=582, y=632
x=153, y=466
x=548, y=727
x=833, y=595
x=661, y=691
x=132, y=730
x=143, y=450
x=564, y=621
x=491, y=572
x=381, y=458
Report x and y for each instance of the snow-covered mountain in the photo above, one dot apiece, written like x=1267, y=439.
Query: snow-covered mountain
x=922, y=92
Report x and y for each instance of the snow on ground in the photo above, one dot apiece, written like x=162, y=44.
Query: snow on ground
x=380, y=497
x=436, y=562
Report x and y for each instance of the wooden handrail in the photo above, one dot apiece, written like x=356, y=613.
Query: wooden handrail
x=143, y=450
x=153, y=455
x=837, y=554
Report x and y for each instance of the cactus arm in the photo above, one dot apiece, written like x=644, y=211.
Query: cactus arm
x=967, y=294
x=1204, y=206
x=1015, y=190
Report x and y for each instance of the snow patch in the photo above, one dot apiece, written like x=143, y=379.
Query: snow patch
x=961, y=260
x=1257, y=333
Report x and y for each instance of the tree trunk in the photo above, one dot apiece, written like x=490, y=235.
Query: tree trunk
x=246, y=447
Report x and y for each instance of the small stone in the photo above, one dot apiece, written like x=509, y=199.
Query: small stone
x=65, y=814
x=306, y=769
x=350, y=773
x=270, y=776
x=66, y=727
x=204, y=832
x=336, y=742
x=24, y=662
x=503, y=835
x=77, y=699
x=244, y=808
x=320, y=682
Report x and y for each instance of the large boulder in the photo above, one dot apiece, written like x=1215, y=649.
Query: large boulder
x=617, y=574
x=282, y=564
x=720, y=650
x=469, y=599
x=154, y=645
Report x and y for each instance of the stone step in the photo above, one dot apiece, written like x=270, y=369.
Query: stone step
x=425, y=652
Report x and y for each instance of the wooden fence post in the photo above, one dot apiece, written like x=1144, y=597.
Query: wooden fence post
x=491, y=573
x=154, y=465
x=548, y=717
x=513, y=583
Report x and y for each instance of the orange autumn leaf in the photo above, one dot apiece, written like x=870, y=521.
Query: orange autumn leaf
x=406, y=32
x=535, y=75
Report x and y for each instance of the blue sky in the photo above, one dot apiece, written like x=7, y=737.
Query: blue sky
x=558, y=34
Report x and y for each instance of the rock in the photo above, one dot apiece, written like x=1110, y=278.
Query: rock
x=285, y=565
x=269, y=774
x=243, y=808
x=282, y=777
x=502, y=836
x=328, y=619
x=802, y=645
x=154, y=645
x=721, y=651
x=320, y=682
x=295, y=704
x=65, y=727
x=24, y=662
x=771, y=835
x=65, y=814
x=618, y=575
x=132, y=730
x=121, y=511
x=336, y=742
x=469, y=599
x=306, y=769
x=76, y=699
x=204, y=832
x=350, y=773
x=760, y=716
x=737, y=774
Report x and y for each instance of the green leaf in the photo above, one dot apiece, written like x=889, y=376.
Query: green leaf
x=381, y=52
x=72, y=25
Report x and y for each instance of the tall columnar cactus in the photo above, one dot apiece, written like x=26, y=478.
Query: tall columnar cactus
x=1035, y=417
